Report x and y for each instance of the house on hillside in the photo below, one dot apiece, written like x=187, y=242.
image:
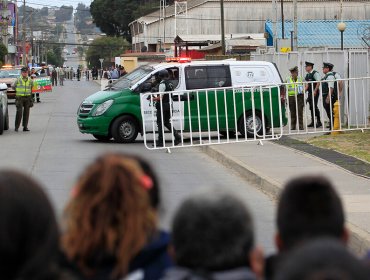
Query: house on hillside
x=157, y=31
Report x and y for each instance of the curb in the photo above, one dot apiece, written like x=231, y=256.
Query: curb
x=266, y=185
x=359, y=241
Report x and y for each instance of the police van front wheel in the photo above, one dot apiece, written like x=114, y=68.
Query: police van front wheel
x=125, y=129
x=247, y=123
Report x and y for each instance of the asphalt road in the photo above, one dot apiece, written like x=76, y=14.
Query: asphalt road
x=55, y=153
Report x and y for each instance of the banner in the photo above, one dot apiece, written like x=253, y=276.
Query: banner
x=41, y=85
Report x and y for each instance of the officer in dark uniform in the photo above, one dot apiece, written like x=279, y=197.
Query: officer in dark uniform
x=164, y=99
x=23, y=98
x=329, y=91
x=313, y=93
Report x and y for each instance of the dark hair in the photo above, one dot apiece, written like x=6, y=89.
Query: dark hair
x=212, y=232
x=28, y=229
x=322, y=259
x=309, y=207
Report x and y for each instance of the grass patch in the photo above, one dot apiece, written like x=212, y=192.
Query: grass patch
x=353, y=143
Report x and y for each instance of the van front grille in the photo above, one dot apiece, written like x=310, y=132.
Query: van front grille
x=86, y=108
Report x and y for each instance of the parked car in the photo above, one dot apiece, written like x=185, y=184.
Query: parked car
x=4, y=116
x=8, y=76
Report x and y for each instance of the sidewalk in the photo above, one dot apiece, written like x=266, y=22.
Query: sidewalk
x=270, y=166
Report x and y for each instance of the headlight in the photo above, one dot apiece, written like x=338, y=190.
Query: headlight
x=100, y=110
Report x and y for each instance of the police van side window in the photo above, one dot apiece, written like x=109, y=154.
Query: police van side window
x=196, y=77
x=218, y=76
x=173, y=76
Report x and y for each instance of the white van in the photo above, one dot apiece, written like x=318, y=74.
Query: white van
x=116, y=111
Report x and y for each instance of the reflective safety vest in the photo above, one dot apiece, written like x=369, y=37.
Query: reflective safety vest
x=325, y=85
x=23, y=88
x=295, y=87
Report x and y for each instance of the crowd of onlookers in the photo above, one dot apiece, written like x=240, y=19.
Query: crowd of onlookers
x=110, y=230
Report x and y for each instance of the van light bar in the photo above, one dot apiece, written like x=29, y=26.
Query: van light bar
x=178, y=59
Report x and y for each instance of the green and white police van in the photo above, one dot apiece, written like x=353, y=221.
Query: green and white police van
x=117, y=111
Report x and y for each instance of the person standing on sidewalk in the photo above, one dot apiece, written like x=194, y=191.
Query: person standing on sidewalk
x=54, y=77
x=295, y=98
x=313, y=93
x=61, y=76
x=23, y=98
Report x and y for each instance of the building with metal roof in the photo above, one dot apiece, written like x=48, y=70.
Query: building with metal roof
x=202, y=17
x=323, y=33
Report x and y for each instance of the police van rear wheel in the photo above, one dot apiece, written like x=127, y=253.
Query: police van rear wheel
x=125, y=129
x=247, y=124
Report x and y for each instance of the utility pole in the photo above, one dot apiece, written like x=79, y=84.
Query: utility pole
x=24, y=62
x=222, y=28
x=295, y=20
x=5, y=17
x=274, y=8
x=282, y=19
x=32, y=52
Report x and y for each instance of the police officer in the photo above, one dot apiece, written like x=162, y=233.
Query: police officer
x=295, y=98
x=23, y=98
x=164, y=99
x=329, y=90
x=313, y=93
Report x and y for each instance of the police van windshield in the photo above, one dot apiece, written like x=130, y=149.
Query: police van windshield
x=132, y=78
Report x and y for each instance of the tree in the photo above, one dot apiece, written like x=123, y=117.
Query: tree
x=44, y=11
x=3, y=52
x=83, y=19
x=54, y=56
x=114, y=16
x=107, y=48
x=64, y=13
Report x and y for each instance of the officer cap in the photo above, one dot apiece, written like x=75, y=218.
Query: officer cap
x=24, y=69
x=294, y=69
x=328, y=65
x=309, y=63
x=163, y=74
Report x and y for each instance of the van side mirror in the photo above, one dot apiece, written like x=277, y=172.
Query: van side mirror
x=3, y=86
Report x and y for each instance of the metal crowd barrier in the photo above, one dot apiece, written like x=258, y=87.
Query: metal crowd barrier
x=249, y=113
x=353, y=97
x=214, y=116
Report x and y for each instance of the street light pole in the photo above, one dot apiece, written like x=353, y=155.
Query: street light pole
x=341, y=27
x=222, y=28
x=24, y=62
